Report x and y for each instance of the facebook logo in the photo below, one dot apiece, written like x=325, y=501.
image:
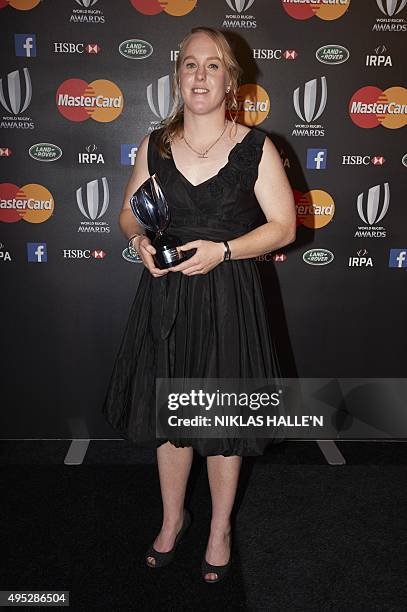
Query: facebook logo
x=128, y=154
x=25, y=45
x=316, y=159
x=398, y=258
x=37, y=252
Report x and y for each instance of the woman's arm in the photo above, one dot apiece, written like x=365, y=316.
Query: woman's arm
x=274, y=194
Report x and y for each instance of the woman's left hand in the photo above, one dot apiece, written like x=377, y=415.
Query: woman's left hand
x=207, y=256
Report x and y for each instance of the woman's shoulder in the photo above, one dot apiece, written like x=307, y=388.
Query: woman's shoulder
x=249, y=135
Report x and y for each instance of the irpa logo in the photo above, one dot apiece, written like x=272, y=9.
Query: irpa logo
x=160, y=102
x=305, y=100
x=10, y=93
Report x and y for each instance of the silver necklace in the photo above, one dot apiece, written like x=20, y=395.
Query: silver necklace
x=204, y=153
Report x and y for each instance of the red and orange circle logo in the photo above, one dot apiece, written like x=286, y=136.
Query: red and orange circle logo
x=315, y=208
x=371, y=106
x=253, y=104
x=176, y=8
x=32, y=202
x=101, y=100
x=318, y=8
x=21, y=5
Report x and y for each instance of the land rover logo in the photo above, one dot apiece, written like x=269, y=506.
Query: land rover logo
x=404, y=160
x=135, y=48
x=332, y=54
x=45, y=151
x=318, y=257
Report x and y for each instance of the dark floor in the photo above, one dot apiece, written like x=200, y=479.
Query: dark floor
x=308, y=536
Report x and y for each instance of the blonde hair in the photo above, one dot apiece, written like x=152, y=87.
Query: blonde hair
x=173, y=124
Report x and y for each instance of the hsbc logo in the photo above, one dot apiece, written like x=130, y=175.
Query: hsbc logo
x=363, y=160
x=5, y=151
x=93, y=202
x=159, y=97
x=275, y=54
x=83, y=254
x=70, y=47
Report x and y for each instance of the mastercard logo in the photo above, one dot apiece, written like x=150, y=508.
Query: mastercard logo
x=21, y=5
x=371, y=106
x=253, y=104
x=318, y=8
x=32, y=202
x=176, y=8
x=101, y=100
x=315, y=208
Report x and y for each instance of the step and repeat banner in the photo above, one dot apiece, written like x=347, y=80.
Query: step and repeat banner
x=81, y=83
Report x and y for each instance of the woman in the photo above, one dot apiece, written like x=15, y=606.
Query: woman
x=205, y=317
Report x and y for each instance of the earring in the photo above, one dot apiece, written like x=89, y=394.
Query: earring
x=228, y=89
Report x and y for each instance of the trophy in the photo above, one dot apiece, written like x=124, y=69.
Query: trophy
x=150, y=208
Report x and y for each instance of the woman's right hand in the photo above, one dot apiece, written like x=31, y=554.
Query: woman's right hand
x=146, y=251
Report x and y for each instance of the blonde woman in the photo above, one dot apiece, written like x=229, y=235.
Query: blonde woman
x=205, y=317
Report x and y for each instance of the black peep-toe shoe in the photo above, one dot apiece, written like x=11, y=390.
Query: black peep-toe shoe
x=163, y=558
x=220, y=570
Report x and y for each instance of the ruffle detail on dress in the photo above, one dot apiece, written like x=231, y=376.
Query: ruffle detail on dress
x=242, y=166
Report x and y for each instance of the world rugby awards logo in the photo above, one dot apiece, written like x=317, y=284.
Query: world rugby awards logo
x=239, y=18
x=86, y=13
x=95, y=207
x=307, y=108
x=161, y=106
x=392, y=20
x=14, y=101
x=372, y=210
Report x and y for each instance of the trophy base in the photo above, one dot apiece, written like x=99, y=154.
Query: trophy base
x=167, y=255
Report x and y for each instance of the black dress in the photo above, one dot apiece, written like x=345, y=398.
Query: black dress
x=206, y=325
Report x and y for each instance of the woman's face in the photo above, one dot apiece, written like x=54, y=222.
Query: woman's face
x=202, y=75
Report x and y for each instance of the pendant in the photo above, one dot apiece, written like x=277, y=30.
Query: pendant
x=203, y=155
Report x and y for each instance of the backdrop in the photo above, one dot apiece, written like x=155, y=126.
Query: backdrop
x=83, y=81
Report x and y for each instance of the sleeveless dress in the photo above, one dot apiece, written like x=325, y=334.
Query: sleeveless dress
x=210, y=325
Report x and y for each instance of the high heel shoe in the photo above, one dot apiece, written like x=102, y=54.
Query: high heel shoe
x=220, y=570
x=163, y=558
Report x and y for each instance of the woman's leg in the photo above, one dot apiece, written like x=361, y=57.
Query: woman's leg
x=174, y=465
x=223, y=476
